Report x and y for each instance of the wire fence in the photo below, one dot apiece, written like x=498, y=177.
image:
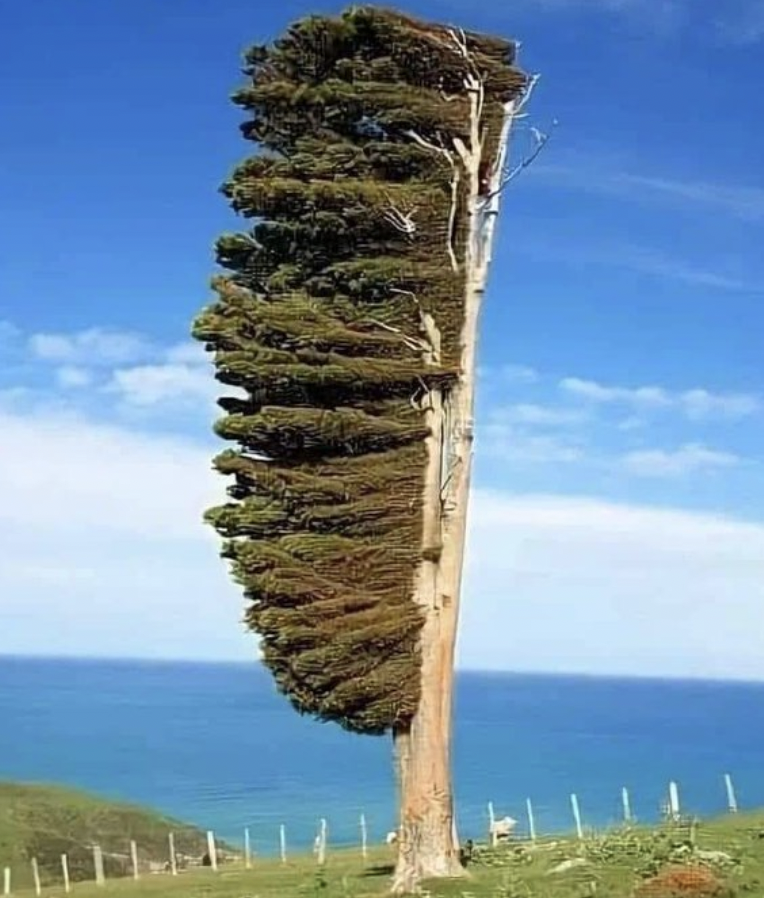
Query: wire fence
x=176, y=852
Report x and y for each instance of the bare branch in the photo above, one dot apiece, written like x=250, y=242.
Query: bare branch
x=401, y=221
x=411, y=342
x=455, y=179
x=541, y=139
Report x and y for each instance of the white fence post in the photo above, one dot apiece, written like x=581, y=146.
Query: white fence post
x=283, y=843
x=7, y=881
x=100, y=878
x=364, y=838
x=626, y=805
x=212, y=850
x=531, y=819
x=134, y=859
x=36, y=877
x=731, y=797
x=577, y=815
x=65, y=872
x=173, y=856
x=247, y=849
x=674, y=810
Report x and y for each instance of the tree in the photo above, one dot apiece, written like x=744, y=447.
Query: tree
x=348, y=323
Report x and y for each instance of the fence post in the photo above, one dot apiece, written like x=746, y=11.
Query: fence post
x=626, y=805
x=674, y=801
x=36, y=877
x=364, y=838
x=577, y=815
x=531, y=819
x=321, y=853
x=7, y=881
x=134, y=859
x=173, y=857
x=492, y=835
x=212, y=850
x=247, y=849
x=282, y=843
x=65, y=871
x=98, y=865
x=731, y=797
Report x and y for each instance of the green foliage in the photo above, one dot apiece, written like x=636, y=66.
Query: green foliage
x=320, y=326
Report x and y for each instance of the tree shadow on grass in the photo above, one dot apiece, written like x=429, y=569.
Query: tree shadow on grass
x=379, y=870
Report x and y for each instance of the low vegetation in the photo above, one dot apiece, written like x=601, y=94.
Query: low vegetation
x=723, y=858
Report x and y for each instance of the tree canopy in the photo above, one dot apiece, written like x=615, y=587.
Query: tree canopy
x=340, y=311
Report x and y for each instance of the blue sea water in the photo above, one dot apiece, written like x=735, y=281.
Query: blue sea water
x=215, y=745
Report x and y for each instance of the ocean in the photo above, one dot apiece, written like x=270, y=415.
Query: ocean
x=216, y=746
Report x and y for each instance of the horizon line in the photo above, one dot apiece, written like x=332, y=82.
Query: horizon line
x=256, y=665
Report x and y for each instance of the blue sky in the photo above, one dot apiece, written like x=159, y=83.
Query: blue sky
x=618, y=523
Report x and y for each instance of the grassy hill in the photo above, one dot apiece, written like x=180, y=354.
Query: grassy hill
x=48, y=821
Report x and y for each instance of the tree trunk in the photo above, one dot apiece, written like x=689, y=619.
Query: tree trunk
x=427, y=837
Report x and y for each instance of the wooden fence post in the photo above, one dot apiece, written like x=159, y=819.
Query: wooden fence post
x=65, y=872
x=577, y=815
x=364, y=839
x=36, y=877
x=173, y=856
x=531, y=819
x=731, y=797
x=282, y=843
x=212, y=850
x=98, y=865
x=247, y=850
x=134, y=859
x=626, y=805
x=7, y=881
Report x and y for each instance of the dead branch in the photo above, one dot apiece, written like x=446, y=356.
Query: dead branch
x=540, y=138
x=411, y=342
x=455, y=179
x=401, y=221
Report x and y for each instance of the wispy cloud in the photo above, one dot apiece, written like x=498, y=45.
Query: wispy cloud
x=688, y=459
x=696, y=404
x=742, y=22
x=91, y=347
x=741, y=201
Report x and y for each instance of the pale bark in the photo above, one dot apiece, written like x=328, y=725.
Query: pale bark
x=428, y=841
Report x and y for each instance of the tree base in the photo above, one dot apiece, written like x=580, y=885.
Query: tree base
x=409, y=875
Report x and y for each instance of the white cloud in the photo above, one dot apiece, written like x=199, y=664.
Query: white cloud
x=516, y=444
x=688, y=459
x=596, y=392
x=575, y=584
x=94, y=346
x=151, y=385
x=519, y=374
x=538, y=415
x=104, y=553
x=697, y=404
x=103, y=550
x=71, y=377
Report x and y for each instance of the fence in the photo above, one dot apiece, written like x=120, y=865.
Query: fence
x=216, y=854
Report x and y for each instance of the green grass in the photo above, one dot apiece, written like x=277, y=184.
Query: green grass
x=616, y=862
x=47, y=821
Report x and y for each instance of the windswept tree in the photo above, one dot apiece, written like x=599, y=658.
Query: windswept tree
x=347, y=320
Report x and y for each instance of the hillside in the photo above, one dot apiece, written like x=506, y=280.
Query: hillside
x=722, y=858
x=48, y=821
